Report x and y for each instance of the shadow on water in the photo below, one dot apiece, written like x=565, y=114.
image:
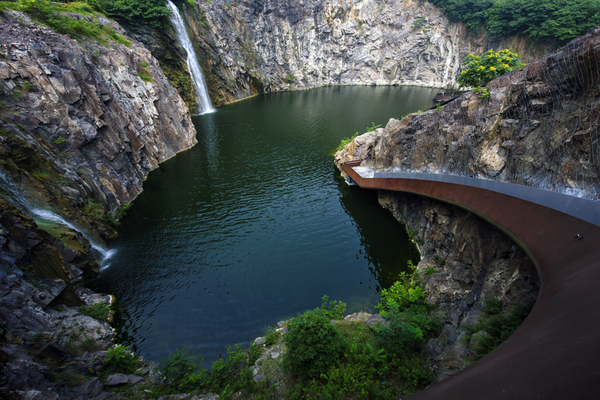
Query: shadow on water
x=253, y=225
x=385, y=241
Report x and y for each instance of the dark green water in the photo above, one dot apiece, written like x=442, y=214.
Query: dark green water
x=254, y=224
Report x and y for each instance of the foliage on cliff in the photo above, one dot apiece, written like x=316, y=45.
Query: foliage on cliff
x=135, y=13
x=541, y=20
x=482, y=69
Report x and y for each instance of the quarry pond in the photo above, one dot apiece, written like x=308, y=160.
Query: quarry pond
x=254, y=224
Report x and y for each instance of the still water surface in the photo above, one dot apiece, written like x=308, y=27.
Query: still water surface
x=254, y=224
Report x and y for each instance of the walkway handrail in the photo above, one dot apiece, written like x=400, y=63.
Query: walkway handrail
x=554, y=353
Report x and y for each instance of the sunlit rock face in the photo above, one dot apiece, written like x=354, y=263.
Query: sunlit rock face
x=248, y=47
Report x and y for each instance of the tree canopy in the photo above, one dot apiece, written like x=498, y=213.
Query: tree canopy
x=546, y=20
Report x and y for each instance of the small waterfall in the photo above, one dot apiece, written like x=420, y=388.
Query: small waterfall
x=13, y=195
x=204, y=104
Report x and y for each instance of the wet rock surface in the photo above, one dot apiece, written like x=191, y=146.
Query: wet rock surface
x=79, y=124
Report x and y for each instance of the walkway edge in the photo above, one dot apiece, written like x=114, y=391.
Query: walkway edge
x=553, y=354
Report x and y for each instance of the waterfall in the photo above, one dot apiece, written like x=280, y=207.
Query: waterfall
x=204, y=104
x=13, y=195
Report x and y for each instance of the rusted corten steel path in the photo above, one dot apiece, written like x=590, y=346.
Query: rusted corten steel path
x=555, y=353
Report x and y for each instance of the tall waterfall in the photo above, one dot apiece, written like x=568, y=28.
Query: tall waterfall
x=13, y=195
x=204, y=104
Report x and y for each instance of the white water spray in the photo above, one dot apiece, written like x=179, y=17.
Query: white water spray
x=17, y=199
x=204, y=104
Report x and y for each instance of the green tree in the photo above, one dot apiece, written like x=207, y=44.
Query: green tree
x=482, y=69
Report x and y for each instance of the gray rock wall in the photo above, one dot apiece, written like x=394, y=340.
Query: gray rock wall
x=85, y=110
x=272, y=45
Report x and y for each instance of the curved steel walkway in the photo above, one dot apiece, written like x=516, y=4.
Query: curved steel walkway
x=555, y=353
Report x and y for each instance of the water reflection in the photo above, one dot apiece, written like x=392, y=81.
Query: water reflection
x=251, y=226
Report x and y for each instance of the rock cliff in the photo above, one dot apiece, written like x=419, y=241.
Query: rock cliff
x=82, y=122
x=271, y=45
x=536, y=127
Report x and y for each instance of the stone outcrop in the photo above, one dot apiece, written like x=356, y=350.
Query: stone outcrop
x=40, y=325
x=79, y=124
x=272, y=45
x=536, y=127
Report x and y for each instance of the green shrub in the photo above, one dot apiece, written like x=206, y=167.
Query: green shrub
x=404, y=307
x=333, y=309
x=313, y=345
x=178, y=365
x=225, y=369
x=547, y=20
x=120, y=359
x=482, y=69
x=271, y=338
x=137, y=13
x=89, y=344
x=99, y=311
x=256, y=351
x=400, y=296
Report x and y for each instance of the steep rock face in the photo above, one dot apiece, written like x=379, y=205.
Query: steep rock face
x=537, y=126
x=40, y=335
x=164, y=47
x=84, y=108
x=272, y=45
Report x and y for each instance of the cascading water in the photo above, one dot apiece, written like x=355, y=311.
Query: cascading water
x=204, y=104
x=14, y=196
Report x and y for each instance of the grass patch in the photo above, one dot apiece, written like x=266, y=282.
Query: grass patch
x=54, y=16
x=498, y=323
x=144, y=76
x=345, y=141
x=99, y=311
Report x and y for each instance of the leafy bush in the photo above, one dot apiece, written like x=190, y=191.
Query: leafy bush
x=271, y=338
x=401, y=295
x=52, y=15
x=177, y=366
x=313, y=344
x=482, y=69
x=225, y=369
x=120, y=359
x=94, y=211
x=334, y=309
x=404, y=307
